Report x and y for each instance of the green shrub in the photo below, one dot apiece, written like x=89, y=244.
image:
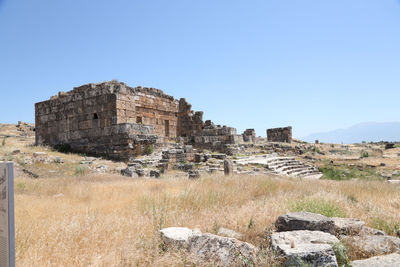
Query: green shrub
x=319, y=206
x=364, y=154
x=4, y=141
x=341, y=255
x=150, y=150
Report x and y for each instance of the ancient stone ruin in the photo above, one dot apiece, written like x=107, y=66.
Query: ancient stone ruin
x=117, y=121
x=280, y=134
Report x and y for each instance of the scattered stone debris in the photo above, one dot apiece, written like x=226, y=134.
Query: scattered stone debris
x=353, y=233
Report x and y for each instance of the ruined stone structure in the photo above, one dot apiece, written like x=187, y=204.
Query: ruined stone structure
x=280, y=135
x=249, y=135
x=121, y=122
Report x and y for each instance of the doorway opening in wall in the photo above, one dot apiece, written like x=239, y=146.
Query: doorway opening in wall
x=166, y=128
x=139, y=120
x=95, y=116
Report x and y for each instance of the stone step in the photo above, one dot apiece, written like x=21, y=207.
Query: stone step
x=299, y=170
x=290, y=167
x=281, y=163
x=306, y=173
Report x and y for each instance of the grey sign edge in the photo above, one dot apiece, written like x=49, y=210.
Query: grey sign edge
x=11, y=219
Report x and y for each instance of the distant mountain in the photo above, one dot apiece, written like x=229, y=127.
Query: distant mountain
x=369, y=132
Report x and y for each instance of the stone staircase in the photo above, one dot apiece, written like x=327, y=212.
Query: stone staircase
x=287, y=166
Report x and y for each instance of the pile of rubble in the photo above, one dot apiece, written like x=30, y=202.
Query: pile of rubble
x=301, y=239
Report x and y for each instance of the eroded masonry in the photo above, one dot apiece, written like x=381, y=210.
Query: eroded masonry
x=121, y=122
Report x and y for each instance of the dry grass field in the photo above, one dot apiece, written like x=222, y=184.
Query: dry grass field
x=106, y=220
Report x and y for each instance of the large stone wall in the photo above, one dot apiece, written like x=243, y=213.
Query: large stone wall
x=280, y=134
x=149, y=106
x=87, y=120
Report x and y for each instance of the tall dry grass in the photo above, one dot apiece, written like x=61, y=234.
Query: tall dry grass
x=111, y=221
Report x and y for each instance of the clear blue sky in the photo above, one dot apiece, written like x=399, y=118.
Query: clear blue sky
x=316, y=65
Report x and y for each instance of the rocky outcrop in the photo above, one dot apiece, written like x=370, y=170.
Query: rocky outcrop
x=310, y=248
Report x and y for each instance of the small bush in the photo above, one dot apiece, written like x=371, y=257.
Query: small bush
x=4, y=141
x=80, y=170
x=319, y=206
x=150, y=150
x=364, y=154
x=341, y=255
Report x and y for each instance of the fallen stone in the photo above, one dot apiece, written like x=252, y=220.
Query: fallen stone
x=371, y=231
x=218, y=156
x=394, y=181
x=372, y=245
x=304, y=221
x=129, y=172
x=177, y=236
x=39, y=154
x=16, y=152
x=31, y=174
x=229, y=233
x=305, y=248
x=390, y=260
x=155, y=174
x=344, y=226
x=228, y=167
x=195, y=174
x=222, y=251
x=58, y=160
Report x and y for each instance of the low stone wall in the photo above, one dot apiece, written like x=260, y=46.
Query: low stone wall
x=280, y=134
